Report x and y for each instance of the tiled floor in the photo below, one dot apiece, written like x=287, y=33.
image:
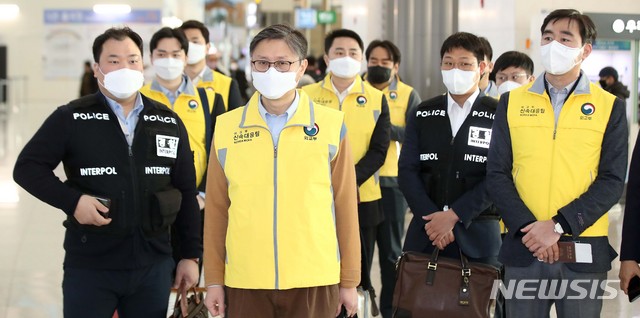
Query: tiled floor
x=31, y=244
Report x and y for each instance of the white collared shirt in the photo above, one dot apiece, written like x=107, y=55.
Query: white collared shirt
x=196, y=80
x=342, y=95
x=458, y=114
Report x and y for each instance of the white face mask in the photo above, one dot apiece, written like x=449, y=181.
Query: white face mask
x=122, y=83
x=457, y=81
x=273, y=84
x=168, y=68
x=559, y=59
x=345, y=67
x=196, y=53
x=507, y=86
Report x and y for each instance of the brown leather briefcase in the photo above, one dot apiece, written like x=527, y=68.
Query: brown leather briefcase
x=432, y=286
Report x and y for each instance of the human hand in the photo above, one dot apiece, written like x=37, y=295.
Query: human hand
x=628, y=269
x=214, y=300
x=86, y=211
x=550, y=255
x=446, y=240
x=539, y=236
x=348, y=298
x=186, y=273
x=439, y=224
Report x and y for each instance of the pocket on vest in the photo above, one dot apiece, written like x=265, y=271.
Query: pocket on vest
x=163, y=210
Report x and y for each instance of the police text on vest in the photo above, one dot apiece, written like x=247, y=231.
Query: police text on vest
x=162, y=119
x=89, y=116
x=427, y=113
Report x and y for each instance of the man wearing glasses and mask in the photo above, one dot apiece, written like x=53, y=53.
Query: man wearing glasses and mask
x=281, y=236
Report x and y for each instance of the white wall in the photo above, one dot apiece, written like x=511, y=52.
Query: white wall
x=24, y=39
x=494, y=21
x=365, y=18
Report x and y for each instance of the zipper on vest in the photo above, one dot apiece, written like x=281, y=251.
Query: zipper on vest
x=275, y=211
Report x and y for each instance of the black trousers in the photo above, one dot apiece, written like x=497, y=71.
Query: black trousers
x=369, y=217
x=140, y=292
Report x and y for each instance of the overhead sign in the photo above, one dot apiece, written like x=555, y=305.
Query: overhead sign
x=607, y=45
x=326, y=17
x=616, y=26
x=85, y=16
x=306, y=18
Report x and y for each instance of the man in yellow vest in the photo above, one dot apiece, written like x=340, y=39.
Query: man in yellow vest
x=198, y=71
x=171, y=87
x=198, y=108
x=367, y=119
x=281, y=238
x=383, y=61
x=556, y=165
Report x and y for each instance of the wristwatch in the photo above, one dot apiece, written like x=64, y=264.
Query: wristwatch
x=557, y=228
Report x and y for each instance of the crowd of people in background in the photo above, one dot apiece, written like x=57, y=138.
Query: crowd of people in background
x=284, y=193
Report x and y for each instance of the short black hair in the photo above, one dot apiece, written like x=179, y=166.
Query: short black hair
x=515, y=59
x=341, y=33
x=588, y=31
x=486, y=46
x=609, y=71
x=391, y=48
x=117, y=34
x=311, y=60
x=193, y=24
x=463, y=40
x=169, y=33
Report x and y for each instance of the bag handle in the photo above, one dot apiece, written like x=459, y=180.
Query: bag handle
x=464, y=296
x=432, y=267
x=181, y=299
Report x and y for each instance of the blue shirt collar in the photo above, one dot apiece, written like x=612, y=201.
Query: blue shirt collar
x=185, y=87
x=289, y=112
x=119, y=111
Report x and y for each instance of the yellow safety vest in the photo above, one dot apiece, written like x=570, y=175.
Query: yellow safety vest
x=362, y=108
x=398, y=98
x=281, y=231
x=220, y=84
x=554, y=165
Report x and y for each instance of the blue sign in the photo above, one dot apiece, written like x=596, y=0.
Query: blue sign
x=607, y=45
x=87, y=16
x=306, y=18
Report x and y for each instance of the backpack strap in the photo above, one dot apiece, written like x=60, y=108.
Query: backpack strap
x=207, y=118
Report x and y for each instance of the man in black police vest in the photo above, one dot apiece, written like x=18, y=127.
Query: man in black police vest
x=442, y=165
x=130, y=175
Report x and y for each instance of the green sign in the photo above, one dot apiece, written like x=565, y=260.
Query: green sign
x=326, y=17
x=607, y=45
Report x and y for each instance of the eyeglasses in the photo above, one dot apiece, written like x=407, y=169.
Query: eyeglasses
x=501, y=77
x=264, y=65
x=465, y=66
